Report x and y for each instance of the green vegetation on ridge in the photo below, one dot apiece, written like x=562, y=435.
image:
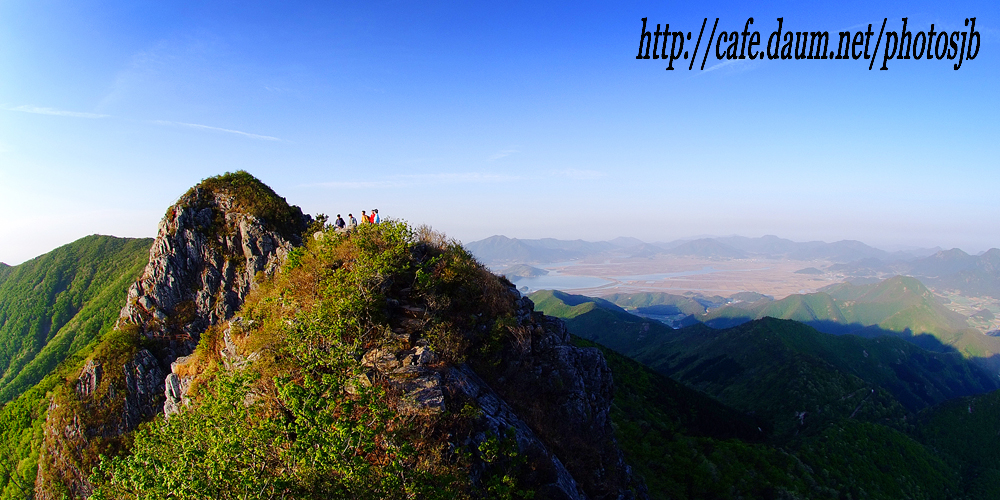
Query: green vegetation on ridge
x=250, y=196
x=900, y=306
x=304, y=419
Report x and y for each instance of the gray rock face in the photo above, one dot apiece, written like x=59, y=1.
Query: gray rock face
x=499, y=420
x=424, y=387
x=204, y=261
x=89, y=379
x=552, y=398
x=143, y=386
x=176, y=389
x=68, y=434
x=408, y=371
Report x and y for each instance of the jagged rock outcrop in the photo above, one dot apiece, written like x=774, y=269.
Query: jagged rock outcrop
x=497, y=418
x=205, y=259
x=427, y=387
x=411, y=372
x=176, y=388
x=564, y=393
x=211, y=248
x=73, y=436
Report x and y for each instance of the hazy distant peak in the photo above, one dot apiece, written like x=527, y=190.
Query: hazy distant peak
x=626, y=242
x=708, y=247
x=954, y=253
x=991, y=254
x=495, y=239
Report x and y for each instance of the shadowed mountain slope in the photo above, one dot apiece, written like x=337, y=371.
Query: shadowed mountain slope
x=839, y=405
x=714, y=361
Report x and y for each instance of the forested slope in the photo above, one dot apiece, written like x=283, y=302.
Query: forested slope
x=55, y=304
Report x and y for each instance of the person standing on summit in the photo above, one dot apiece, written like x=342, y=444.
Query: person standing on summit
x=354, y=222
x=364, y=218
x=375, y=217
x=339, y=223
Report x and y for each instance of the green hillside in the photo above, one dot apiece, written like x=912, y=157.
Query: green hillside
x=53, y=307
x=518, y=271
x=896, y=304
x=900, y=306
x=21, y=422
x=964, y=431
x=55, y=304
x=659, y=302
x=687, y=445
x=600, y=321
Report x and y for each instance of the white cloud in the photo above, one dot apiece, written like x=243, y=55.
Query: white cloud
x=735, y=65
x=503, y=153
x=56, y=112
x=217, y=129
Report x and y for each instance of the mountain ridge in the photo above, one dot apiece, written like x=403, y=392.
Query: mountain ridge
x=406, y=323
x=499, y=249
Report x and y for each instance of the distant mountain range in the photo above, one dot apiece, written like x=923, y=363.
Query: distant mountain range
x=955, y=269
x=973, y=275
x=501, y=250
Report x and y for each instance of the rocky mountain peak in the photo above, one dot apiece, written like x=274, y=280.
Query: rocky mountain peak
x=211, y=248
x=208, y=250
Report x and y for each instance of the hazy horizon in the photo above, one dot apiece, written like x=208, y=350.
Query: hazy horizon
x=650, y=241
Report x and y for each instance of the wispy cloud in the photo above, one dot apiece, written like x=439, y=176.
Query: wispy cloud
x=217, y=129
x=56, y=112
x=583, y=175
x=421, y=179
x=734, y=65
x=503, y=153
x=409, y=180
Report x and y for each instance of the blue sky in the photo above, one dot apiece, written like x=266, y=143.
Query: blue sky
x=519, y=119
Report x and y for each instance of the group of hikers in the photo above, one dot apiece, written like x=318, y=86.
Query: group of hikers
x=351, y=223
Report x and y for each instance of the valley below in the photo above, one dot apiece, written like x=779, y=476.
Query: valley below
x=678, y=275
x=718, y=275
